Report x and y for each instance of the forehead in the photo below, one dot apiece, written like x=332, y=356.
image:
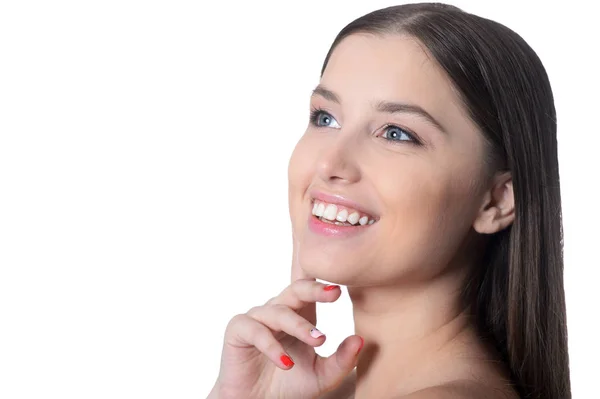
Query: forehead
x=366, y=68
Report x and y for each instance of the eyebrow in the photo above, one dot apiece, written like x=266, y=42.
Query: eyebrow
x=385, y=106
x=327, y=94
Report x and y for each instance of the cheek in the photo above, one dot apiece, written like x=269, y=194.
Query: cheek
x=428, y=216
x=300, y=172
x=416, y=205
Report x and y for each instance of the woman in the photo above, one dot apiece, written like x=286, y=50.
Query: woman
x=427, y=183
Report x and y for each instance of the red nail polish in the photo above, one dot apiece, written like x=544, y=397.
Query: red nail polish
x=287, y=362
x=362, y=343
x=330, y=287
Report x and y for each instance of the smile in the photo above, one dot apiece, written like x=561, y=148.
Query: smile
x=340, y=215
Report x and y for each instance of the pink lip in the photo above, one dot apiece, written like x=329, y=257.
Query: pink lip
x=340, y=200
x=333, y=230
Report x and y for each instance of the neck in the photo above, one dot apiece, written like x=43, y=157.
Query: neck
x=408, y=329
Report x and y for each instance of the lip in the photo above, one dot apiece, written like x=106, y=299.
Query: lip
x=333, y=230
x=338, y=199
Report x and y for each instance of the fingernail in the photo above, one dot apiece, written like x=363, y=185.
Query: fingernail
x=330, y=287
x=315, y=333
x=287, y=362
x=362, y=343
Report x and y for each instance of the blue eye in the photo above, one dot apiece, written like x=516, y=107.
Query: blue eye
x=321, y=118
x=394, y=133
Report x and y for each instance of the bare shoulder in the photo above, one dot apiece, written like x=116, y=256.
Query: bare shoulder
x=463, y=390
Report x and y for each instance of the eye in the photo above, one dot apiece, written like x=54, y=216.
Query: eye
x=320, y=118
x=396, y=134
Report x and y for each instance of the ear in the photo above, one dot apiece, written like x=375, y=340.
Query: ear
x=498, y=207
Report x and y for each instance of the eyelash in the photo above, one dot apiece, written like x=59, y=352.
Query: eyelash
x=316, y=112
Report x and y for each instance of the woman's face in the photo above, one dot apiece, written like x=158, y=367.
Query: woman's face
x=372, y=151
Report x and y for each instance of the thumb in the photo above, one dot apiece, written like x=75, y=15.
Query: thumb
x=332, y=370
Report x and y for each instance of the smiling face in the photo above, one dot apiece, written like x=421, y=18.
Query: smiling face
x=389, y=140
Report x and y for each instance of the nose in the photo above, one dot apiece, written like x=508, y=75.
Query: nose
x=338, y=161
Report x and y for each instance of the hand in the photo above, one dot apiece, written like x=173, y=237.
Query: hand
x=268, y=352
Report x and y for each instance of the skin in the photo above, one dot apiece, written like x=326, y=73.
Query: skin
x=404, y=272
x=435, y=202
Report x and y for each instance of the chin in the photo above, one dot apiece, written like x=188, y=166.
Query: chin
x=334, y=269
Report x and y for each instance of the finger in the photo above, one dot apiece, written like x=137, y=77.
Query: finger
x=282, y=318
x=303, y=292
x=244, y=331
x=301, y=296
x=332, y=370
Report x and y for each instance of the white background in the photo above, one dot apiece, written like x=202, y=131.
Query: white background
x=143, y=181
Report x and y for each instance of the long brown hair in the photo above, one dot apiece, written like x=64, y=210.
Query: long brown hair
x=517, y=297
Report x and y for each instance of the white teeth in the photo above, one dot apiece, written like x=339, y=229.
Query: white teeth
x=353, y=218
x=320, y=210
x=330, y=212
x=342, y=216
